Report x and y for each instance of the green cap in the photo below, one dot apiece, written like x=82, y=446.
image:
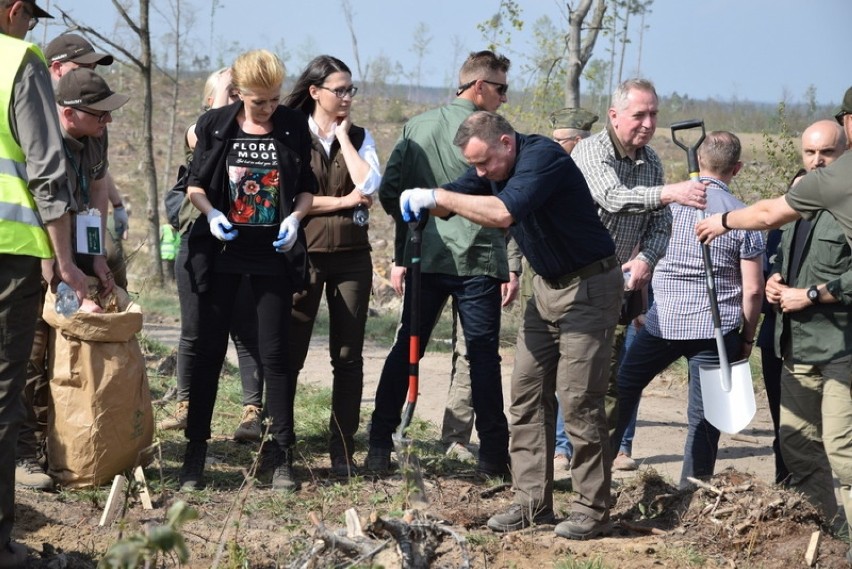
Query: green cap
x=846, y=107
x=573, y=117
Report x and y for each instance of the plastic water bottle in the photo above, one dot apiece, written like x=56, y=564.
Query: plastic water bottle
x=67, y=302
x=627, y=275
x=361, y=216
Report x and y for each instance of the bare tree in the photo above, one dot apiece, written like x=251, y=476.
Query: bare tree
x=350, y=23
x=143, y=62
x=580, y=45
x=420, y=47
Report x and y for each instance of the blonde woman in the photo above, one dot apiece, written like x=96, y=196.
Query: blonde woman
x=250, y=177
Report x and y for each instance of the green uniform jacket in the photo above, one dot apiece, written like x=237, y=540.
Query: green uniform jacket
x=425, y=157
x=822, y=332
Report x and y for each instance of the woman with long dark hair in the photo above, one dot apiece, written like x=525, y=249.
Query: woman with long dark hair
x=344, y=161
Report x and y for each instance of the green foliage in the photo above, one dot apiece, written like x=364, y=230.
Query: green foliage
x=772, y=175
x=146, y=547
x=571, y=562
x=497, y=30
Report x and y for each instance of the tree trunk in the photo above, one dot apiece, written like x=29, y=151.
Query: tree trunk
x=580, y=46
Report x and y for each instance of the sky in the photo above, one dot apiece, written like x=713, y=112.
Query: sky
x=747, y=50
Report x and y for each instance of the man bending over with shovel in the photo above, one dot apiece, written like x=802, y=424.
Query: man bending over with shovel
x=529, y=185
x=679, y=324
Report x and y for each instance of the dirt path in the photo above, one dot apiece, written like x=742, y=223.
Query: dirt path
x=661, y=429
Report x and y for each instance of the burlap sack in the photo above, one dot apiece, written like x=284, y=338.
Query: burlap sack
x=100, y=416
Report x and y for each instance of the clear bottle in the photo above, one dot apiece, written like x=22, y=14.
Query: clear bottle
x=361, y=216
x=67, y=302
x=627, y=276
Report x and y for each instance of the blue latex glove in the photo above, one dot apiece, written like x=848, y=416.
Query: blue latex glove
x=120, y=221
x=413, y=201
x=287, y=233
x=220, y=227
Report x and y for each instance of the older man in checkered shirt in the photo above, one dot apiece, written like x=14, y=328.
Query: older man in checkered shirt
x=626, y=179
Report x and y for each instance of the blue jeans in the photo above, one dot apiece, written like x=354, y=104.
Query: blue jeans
x=563, y=442
x=478, y=301
x=648, y=356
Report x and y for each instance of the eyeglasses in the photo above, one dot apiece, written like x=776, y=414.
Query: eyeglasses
x=33, y=20
x=502, y=88
x=102, y=117
x=341, y=92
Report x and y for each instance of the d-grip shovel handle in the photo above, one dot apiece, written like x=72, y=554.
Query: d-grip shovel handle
x=691, y=151
x=416, y=226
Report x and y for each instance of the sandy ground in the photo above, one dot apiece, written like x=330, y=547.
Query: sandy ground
x=661, y=429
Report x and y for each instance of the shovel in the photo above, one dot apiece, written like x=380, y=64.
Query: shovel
x=410, y=463
x=726, y=390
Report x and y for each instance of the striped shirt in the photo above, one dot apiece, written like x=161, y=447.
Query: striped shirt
x=628, y=194
x=681, y=309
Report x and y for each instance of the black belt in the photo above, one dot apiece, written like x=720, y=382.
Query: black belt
x=596, y=268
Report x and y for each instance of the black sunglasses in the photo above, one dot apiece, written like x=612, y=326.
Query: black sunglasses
x=341, y=92
x=502, y=88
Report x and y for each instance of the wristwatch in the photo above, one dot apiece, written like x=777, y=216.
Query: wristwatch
x=813, y=294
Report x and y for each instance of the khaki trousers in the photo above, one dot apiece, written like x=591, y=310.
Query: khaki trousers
x=816, y=431
x=564, y=345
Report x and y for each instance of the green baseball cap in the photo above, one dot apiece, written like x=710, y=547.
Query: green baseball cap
x=846, y=107
x=573, y=117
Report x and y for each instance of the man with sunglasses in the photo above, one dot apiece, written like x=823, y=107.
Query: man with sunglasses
x=85, y=103
x=34, y=225
x=461, y=261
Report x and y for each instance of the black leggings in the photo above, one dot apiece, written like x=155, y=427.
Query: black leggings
x=272, y=301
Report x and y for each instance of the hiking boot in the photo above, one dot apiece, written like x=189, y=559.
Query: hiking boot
x=458, y=451
x=178, y=419
x=249, y=430
x=624, y=462
x=13, y=556
x=378, y=460
x=343, y=467
x=29, y=474
x=489, y=471
x=277, y=468
x=561, y=461
x=518, y=517
x=581, y=526
x=192, y=471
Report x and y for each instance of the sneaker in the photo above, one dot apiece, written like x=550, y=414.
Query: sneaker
x=458, y=451
x=343, y=467
x=249, y=430
x=29, y=474
x=178, y=419
x=581, y=526
x=624, y=462
x=13, y=556
x=561, y=461
x=490, y=471
x=192, y=471
x=378, y=460
x=518, y=517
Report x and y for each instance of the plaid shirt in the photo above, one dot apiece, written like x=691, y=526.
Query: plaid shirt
x=681, y=309
x=628, y=193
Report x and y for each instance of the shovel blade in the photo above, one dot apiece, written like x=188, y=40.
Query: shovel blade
x=729, y=410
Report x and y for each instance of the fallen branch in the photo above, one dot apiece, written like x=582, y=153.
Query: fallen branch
x=639, y=528
x=488, y=492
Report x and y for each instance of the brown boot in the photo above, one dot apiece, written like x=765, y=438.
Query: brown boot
x=178, y=419
x=249, y=430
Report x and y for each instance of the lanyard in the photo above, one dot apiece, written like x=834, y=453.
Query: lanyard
x=82, y=178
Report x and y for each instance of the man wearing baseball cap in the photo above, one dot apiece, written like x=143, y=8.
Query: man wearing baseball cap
x=34, y=222
x=71, y=48
x=64, y=53
x=85, y=103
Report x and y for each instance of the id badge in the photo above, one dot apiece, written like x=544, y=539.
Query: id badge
x=90, y=239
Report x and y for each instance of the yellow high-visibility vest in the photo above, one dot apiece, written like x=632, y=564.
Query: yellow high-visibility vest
x=21, y=229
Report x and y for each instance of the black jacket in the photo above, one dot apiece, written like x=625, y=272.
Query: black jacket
x=207, y=170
